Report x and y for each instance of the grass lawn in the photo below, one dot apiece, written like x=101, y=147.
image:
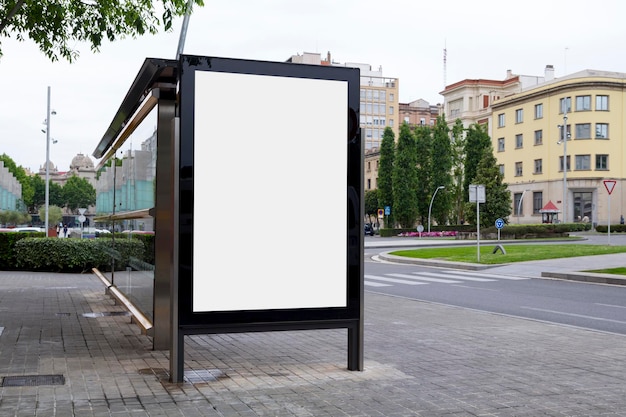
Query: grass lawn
x=615, y=271
x=514, y=253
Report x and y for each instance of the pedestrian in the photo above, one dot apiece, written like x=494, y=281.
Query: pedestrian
x=65, y=230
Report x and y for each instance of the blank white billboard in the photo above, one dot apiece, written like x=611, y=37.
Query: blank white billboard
x=270, y=200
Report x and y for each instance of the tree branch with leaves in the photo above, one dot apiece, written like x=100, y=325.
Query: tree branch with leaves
x=55, y=26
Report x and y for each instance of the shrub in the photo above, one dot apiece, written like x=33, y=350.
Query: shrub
x=75, y=255
x=8, y=260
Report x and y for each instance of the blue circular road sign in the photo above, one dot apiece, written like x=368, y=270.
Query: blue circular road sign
x=499, y=223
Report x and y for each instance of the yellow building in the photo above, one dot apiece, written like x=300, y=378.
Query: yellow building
x=527, y=138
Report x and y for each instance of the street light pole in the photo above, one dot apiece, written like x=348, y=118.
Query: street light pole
x=441, y=187
x=519, y=205
x=47, y=202
x=565, y=160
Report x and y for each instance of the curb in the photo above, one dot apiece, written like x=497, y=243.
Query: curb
x=586, y=277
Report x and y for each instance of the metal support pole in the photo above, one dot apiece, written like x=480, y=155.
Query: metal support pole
x=564, y=161
x=431, y=204
x=47, y=203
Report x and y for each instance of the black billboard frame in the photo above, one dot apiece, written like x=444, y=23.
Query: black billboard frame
x=185, y=320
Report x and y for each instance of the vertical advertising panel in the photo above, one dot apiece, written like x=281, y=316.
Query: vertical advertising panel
x=270, y=193
x=269, y=158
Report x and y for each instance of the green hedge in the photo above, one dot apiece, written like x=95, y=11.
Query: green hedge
x=8, y=260
x=75, y=255
x=517, y=231
x=617, y=228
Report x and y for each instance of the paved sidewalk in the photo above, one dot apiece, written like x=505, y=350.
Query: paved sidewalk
x=421, y=359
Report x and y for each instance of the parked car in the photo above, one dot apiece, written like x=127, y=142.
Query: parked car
x=28, y=229
x=138, y=232
x=369, y=229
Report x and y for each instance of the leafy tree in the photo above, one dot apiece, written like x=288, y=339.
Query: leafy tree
x=55, y=214
x=476, y=141
x=38, y=185
x=385, y=173
x=458, y=168
x=405, y=178
x=78, y=192
x=371, y=204
x=13, y=217
x=57, y=26
x=497, y=196
x=423, y=143
x=441, y=156
x=20, y=175
x=56, y=195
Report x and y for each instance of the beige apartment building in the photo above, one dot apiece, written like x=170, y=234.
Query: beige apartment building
x=470, y=100
x=527, y=136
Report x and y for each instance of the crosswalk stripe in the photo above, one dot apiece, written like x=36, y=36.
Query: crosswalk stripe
x=376, y=284
x=440, y=280
x=465, y=278
x=509, y=277
x=398, y=281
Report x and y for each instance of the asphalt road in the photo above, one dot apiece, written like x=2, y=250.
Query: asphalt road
x=585, y=305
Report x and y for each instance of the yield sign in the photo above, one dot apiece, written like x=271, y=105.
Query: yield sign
x=609, y=185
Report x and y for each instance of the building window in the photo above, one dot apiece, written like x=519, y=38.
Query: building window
x=517, y=208
x=518, y=169
x=519, y=141
x=456, y=107
x=500, y=144
x=391, y=97
x=390, y=122
x=583, y=162
x=583, y=103
x=539, y=111
x=369, y=166
x=519, y=116
x=501, y=167
x=538, y=137
x=583, y=130
x=561, y=163
x=537, y=201
x=602, y=162
x=602, y=103
x=390, y=109
x=538, y=166
x=422, y=121
x=369, y=184
x=501, y=120
x=565, y=104
x=406, y=119
x=602, y=130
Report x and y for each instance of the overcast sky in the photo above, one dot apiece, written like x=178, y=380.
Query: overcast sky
x=406, y=38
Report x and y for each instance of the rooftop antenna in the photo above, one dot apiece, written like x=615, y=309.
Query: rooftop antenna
x=183, y=30
x=445, y=57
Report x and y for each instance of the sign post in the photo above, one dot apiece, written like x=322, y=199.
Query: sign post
x=609, y=185
x=82, y=219
x=477, y=195
x=499, y=225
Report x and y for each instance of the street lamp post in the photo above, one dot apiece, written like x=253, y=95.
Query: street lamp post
x=519, y=205
x=441, y=187
x=564, y=140
x=47, y=202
